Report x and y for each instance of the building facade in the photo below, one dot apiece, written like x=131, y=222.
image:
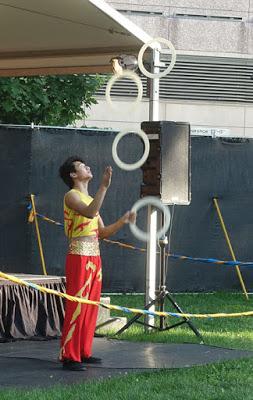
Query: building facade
x=211, y=84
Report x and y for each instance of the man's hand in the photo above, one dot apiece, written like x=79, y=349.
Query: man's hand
x=129, y=217
x=107, y=231
x=107, y=176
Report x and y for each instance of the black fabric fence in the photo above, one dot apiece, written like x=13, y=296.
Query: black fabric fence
x=30, y=159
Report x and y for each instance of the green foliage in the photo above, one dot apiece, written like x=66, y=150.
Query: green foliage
x=47, y=100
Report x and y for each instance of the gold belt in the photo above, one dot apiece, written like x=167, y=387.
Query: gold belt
x=86, y=248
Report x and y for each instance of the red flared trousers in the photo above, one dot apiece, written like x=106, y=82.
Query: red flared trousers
x=83, y=279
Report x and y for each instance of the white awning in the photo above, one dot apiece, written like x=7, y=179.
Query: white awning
x=63, y=36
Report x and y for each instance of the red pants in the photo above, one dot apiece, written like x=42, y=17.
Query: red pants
x=83, y=279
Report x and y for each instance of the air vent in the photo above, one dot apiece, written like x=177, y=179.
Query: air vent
x=140, y=12
x=203, y=16
x=199, y=78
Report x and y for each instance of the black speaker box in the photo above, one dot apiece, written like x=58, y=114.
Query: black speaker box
x=167, y=169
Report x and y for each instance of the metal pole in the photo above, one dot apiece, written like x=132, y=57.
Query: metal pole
x=154, y=88
x=162, y=288
x=152, y=213
x=151, y=265
x=215, y=200
x=38, y=235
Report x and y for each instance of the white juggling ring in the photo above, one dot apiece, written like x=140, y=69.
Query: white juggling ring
x=172, y=62
x=125, y=74
x=153, y=201
x=121, y=164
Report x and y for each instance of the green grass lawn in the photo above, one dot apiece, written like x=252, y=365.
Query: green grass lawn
x=234, y=333
x=230, y=380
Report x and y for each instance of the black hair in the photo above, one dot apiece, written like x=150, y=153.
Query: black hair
x=66, y=168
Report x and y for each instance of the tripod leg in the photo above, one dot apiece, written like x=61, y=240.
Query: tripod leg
x=186, y=320
x=135, y=318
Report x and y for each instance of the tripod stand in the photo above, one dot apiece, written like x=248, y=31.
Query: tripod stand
x=161, y=295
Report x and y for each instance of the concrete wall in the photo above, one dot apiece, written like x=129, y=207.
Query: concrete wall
x=214, y=5
x=194, y=36
x=237, y=119
x=194, y=33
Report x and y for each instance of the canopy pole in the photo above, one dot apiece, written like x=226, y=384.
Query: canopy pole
x=152, y=212
x=154, y=87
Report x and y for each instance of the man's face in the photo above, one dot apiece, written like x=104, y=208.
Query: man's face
x=83, y=171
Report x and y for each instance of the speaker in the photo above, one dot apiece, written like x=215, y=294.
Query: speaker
x=166, y=172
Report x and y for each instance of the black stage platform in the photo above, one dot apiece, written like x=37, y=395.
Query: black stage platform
x=34, y=363
x=26, y=312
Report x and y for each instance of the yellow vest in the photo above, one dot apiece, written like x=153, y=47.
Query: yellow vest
x=76, y=225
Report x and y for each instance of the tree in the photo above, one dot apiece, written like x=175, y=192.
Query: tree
x=47, y=100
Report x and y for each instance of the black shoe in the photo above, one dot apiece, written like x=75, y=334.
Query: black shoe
x=73, y=365
x=91, y=360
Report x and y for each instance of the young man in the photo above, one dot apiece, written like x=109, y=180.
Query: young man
x=83, y=226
